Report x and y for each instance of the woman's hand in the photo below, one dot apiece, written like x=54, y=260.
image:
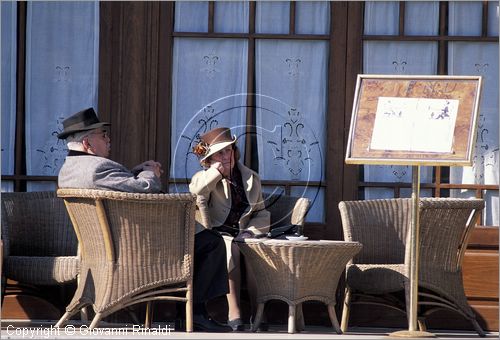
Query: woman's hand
x=218, y=166
x=243, y=235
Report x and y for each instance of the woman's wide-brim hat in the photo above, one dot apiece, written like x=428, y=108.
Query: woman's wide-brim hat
x=81, y=121
x=213, y=141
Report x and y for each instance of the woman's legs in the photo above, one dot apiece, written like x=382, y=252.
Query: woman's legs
x=233, y=298
x=252, y=294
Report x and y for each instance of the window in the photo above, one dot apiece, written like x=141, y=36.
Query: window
x=56, y=76
x=455, y=38
x=260, y=68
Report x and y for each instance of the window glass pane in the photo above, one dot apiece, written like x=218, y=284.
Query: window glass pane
x=480, y=59
x=178, y=188
x=406, y=193
x=381, y=17
x=490, y=213
x=380, y=57
x=62, y=53
x=396, y=58
x=421, y=18
x=9, y=58
x=316, y=195
x=7, y=186
x=273, y=189
x=462, y=193
x=386, y=193
x=291, y=83
x=191, y=16
x=41, y=186
x=391, y=174
x=272, y=17
x=231, y=17
x=465, y=17
x=209, y=90
x=312, y=17
x=493, y=18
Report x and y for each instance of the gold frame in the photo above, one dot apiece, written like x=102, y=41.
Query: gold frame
x=467, y=89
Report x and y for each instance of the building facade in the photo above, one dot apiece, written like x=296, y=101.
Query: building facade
x=282, y=75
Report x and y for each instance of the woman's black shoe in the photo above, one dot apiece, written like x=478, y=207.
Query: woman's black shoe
x=202, y=323
x=236, y=324
x=263, y=327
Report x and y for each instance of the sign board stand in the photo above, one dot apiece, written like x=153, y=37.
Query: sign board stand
x=413, y=331
x=414, y=120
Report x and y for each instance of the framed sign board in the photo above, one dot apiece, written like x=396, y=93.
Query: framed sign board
x=414, y=120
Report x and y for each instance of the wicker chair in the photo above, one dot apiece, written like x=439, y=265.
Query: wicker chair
x=286, y=210
x=39, y=243
x=383, y=266
x=134, y=248
x=297, y=271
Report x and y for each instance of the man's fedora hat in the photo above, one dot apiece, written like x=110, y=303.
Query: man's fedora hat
x=213, y=141
x=81, y=121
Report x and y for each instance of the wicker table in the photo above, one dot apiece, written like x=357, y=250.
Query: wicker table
x=297, y=271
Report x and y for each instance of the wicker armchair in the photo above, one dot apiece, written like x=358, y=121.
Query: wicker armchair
x=383, y=266
x=134, y=248
x=39, y=243
x=286, y=210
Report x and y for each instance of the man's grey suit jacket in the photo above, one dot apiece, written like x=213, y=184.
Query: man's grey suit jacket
x=82, y=170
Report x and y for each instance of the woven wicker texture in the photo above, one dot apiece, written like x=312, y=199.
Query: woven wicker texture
x=286, y=210
x=40, y=245
x=135, y=248
x=383, y=266
x=295, y=272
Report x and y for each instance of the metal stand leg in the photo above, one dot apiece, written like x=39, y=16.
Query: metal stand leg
x=412, y=331
x=345, y=311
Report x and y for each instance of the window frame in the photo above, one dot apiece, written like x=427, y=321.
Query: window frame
x=336, y=94
x=440, y=184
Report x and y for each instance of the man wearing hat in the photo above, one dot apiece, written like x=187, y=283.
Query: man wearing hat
x=88, y=167
x=229, y=195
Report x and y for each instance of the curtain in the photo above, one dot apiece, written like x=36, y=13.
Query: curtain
x=291, y=108
x=381, y=17
x=209, y=90
x=464, y=18
x=405, y=58
x=191, y=16
x=478, y=59
x=291, y=83
x=493, y=11
x=312, y=17
x=237, y=11
x=272, y=17
x=8, y=100
x=61, y=76
x=397, y=58
x=421, y=18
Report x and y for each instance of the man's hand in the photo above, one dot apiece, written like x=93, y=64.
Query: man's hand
x=150, y=165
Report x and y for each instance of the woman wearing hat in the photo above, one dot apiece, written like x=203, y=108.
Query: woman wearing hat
x=229, y=196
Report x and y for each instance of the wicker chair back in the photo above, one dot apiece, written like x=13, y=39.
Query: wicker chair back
x=135, y=248
x=383, y=265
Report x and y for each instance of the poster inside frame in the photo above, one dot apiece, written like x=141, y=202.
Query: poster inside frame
x=414, y=120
